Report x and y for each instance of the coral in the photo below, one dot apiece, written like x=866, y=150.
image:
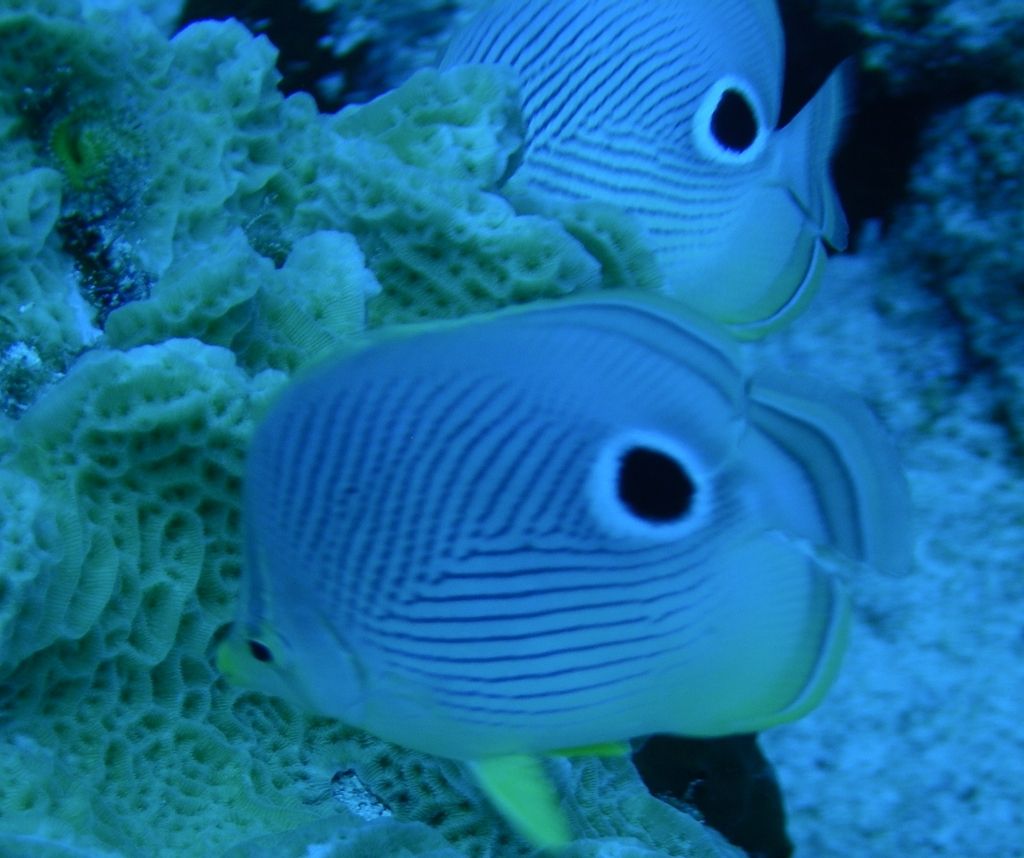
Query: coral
x=122, y=177
x=29, y=204
x=462, y=126
x=269, y=317
x=177, y=238
x=346, y=839
x=961, y=233
x=411, y=184
x=609, y=236
x=132, y=465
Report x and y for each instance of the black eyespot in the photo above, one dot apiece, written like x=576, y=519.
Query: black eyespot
x=260, y=651
x=654, y=486
x=733, y=121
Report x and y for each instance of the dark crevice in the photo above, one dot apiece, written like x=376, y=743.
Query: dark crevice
x=881, y=137
x=300, y=35
x=364, y=69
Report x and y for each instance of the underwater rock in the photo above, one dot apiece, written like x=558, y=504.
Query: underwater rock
x=965, y=45
x=961, y=234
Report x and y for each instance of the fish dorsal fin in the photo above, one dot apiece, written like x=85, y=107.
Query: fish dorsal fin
x=519, y=787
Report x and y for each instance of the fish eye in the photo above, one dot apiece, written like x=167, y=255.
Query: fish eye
x=260, y=651
x=644, y=483
x=653, y=485
x=729, y=126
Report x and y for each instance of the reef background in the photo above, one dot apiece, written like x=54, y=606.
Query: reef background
x=919, y=749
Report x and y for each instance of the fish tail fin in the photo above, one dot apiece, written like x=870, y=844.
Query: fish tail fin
x=807, y=144
x=519, y=787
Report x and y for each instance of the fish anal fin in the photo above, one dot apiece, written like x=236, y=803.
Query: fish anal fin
x=519, y=787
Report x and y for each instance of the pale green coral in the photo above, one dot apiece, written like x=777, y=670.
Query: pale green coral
x=29, y=205
x=347, y=838
x=218, y=236
x=229, y=295
x=194, y=143
x=432, y=231
x=137, y=457
x=461, y=126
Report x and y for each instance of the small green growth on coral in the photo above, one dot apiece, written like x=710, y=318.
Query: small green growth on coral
x=90, y=150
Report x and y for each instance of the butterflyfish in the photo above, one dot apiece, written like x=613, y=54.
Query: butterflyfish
x=557, y=526
x=668, y=109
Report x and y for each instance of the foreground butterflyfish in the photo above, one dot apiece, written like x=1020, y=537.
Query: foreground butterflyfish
x=669, y=110
x=554, y=526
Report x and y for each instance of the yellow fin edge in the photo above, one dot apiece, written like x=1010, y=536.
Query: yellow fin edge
x=602, y=749
x=519, y=787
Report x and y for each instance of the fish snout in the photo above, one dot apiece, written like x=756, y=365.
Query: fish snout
x=767, y=273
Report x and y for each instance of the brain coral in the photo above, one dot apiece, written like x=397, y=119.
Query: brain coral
x=176, y=239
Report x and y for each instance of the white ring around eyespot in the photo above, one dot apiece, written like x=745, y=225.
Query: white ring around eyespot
x=706, y=143
x=609, y=510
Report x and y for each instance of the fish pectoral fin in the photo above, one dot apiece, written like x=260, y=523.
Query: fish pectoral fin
x=601, y=749
x=519, y=787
